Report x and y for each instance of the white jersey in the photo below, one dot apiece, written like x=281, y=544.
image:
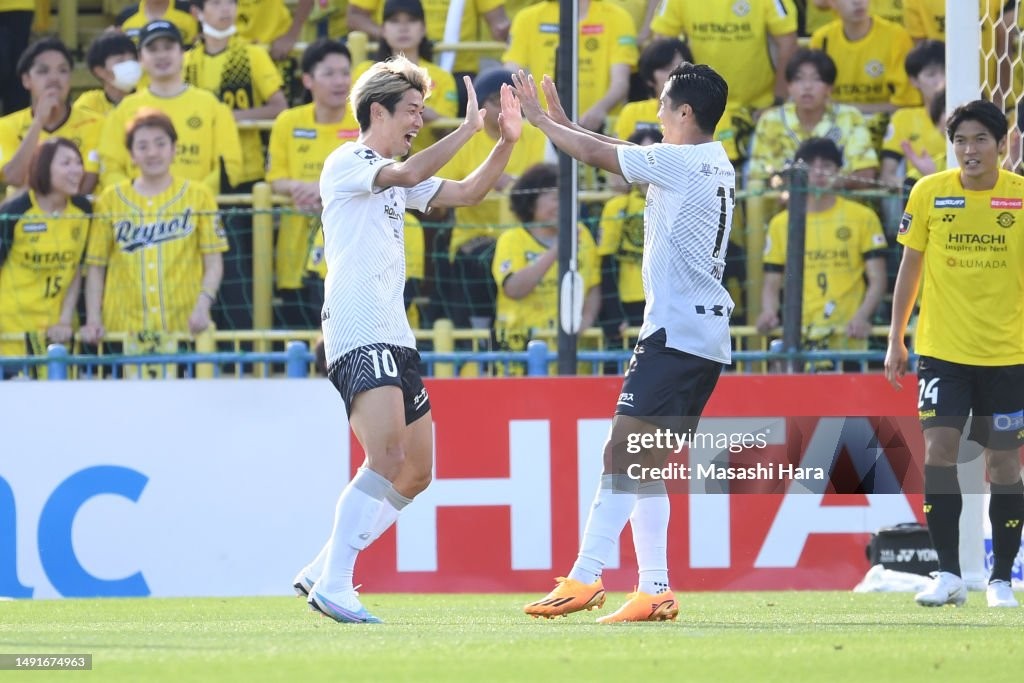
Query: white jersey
x=364, y=247
x=687, y=219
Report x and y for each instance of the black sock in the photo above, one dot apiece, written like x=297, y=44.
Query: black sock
x=1006, y=512
x=942, y=505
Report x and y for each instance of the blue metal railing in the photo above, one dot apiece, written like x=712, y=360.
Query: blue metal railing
x=297, y=360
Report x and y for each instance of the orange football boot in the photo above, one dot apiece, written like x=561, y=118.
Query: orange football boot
x=645, y=607
x=568, y=596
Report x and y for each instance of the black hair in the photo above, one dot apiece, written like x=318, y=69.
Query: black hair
x=425, y=50
x=982, y=111
x=319, y=50
x=658, y=55
x=820, y=60
x=524, y=193
x=701, y=87
x=107, y=45
x=641, y=134
x=819, y=148
x=28, y=57
x=926, y=53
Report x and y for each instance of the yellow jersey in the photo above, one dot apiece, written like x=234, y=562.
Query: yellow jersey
x=298, y=148
x=925, y=19
x=81, y=127
x=914, y=125
x=622, y=237
x=472, y=26
x=415, y=259
x=134, y=18
x=972, y=294
x=733, y=131
x=242, y=76
x=607, y=36
x=263, y=21
x=95, y=103
x=40, y=254
x=869, y=70
x=207, y=136
x=779, y=133
x=516, y=319
x=152, y=248
x=838, y=241
x=732, y=37
x=492, y=214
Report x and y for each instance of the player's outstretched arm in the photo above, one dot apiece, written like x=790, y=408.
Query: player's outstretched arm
x=579, y=145
x=427, y=162
x=477, y=184
x=903, y=298
x=557, y=112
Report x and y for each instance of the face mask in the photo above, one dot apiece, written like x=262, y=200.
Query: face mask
x=126, y=75
x=217, y=34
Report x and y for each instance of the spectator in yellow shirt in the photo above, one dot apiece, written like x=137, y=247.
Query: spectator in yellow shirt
x=114, y=60
x=133, y=19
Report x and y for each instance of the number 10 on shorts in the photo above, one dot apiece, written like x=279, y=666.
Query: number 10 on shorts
x=383, y=360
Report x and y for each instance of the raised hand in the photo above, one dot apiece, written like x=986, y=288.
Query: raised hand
x=555, y=109
x=526, y=90
x=510, y=120
x=474, y=114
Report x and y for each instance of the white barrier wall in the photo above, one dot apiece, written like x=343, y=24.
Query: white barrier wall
x=166, y=488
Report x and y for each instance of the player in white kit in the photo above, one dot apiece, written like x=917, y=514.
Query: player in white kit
x=684, y=341
x=370, y=349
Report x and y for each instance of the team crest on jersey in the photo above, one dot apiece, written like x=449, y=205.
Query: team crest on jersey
x=132, y=236
x=950, y=202
x=1005, y=219
x=843, y=233
x=304, y=133
x=741, y=8
x=194, y=122
x=874, y=68
x=905, y=223
x=33, y=227
x=1006, y=203
x=591, y=44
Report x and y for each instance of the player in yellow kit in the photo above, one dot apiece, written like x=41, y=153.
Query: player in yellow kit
x=45, y=71
x=963, y=231
x=42, y=238
x=155, y=247
x=608, y=53
x=300, y=142
x=207, y=134
x=844, y=245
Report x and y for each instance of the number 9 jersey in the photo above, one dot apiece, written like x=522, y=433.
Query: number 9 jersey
x=39, y=256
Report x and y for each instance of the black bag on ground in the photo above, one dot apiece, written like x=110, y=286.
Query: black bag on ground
x=903, y=548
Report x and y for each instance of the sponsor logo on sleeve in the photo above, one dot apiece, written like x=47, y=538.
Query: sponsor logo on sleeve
x=950, y=202
x=878, y=240
x=905, y=223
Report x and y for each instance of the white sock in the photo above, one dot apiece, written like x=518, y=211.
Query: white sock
x=608, y=515
x=649, y=522
x=315, y=568
x=393, y=505
x=354, y=522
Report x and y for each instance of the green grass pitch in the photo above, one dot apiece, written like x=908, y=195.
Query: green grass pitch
x=721, y=637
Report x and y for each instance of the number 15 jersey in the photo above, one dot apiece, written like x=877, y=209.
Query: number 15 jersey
x=687, y=218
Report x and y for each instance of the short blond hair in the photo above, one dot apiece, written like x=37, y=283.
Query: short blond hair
x=386, y=83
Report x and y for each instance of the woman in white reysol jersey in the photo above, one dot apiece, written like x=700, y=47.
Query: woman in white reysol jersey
x=370, y=350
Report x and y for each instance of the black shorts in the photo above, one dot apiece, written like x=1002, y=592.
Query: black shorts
x=994, y=395
x=666, y=383
x=381, y=365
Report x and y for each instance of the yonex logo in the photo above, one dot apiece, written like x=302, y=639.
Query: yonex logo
x=950, y=202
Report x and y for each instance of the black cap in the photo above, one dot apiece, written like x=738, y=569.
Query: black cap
x=161, y=28
x=414, y=8
x=488, y=83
